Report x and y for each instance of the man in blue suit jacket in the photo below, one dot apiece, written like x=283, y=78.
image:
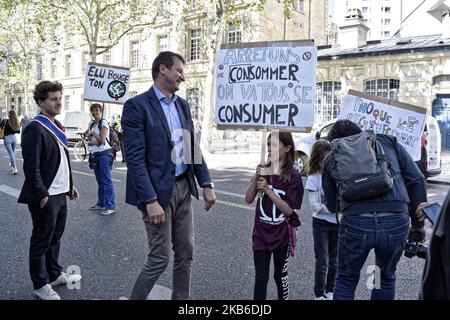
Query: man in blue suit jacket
x=163, y=158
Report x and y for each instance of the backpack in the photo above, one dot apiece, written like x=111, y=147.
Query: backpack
x=113, y=139
x=361, y=168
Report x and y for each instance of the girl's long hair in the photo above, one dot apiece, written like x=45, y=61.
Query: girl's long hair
x=13, y=121
x=319, y=150
x=288, y=164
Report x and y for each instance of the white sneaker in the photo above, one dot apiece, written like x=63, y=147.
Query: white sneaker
x=107, y=212
x=65, y=278
x=320, y=298
x=46, y=293
x=329, y=295
x=14, y=171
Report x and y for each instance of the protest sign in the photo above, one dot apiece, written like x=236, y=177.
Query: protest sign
x=401, y=120
x=106, y=83
x=266, y=85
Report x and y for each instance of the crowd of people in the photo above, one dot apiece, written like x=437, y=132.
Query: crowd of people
x=152, y=126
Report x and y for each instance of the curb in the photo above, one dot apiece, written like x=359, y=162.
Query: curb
x=446, y=183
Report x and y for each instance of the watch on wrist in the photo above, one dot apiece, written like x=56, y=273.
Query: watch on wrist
x=150, y=201
x=209, y=185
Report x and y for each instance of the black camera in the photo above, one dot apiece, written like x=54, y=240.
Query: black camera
x=414, y=247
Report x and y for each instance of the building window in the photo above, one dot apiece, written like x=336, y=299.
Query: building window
x=298, y=5
x=67, y=65
x=387, y=22
x=364, y=9
x=234, y=32
x=84, y=61
x=39, y=74
x=443, y=79
x=194, y=53
x=386, y=88
x=163, y=6
x=66, y=103
x=387, y=33
x=387, y=9
x=328, y=101
x=163, y=43
x=107, y=57
x=195, y=4
x=134, y=54
x=193, y=98
x=365, y=21
x=53, y=68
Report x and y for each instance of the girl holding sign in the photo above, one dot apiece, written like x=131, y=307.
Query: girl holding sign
x=275, y=220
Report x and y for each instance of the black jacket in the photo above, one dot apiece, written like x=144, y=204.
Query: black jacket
x=41, y=159
x=408, y=191
x=436, y=274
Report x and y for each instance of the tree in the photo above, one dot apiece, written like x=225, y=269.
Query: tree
x=101, y=23
x=219, y=14
x=21, y=40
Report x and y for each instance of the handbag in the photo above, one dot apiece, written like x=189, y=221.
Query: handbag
x=2, y=129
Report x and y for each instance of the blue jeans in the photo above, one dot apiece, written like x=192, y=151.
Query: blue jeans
x=102, y=169
x=357, y=236
x=10, y=144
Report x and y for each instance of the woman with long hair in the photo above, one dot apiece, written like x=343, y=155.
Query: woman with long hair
x=325, y=226
x=11, y=126
x=275, y=219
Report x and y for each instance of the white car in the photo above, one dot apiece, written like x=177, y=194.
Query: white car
x=429, y=164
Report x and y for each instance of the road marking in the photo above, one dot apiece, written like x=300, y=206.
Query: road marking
x=79, y=172
x=91, y=175
x=232, y=204
x=9, y=190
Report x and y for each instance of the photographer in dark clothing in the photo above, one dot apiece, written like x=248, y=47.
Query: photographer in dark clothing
x=436, y=274
x=381, y=223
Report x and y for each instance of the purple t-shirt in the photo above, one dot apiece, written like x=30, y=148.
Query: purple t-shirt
x=271, y=231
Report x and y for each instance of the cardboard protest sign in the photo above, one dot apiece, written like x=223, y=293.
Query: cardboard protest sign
x=105, y=83
x=266, y=85
x=404, y=121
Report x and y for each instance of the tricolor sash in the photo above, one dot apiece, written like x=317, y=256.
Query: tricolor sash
x=52, y=128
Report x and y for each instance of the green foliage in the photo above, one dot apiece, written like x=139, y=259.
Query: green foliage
x=100, y=23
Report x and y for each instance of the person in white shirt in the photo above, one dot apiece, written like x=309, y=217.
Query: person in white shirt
x=101, y=160
x=325, y=226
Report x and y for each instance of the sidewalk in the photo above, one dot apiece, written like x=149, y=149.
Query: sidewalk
x=226, y=160
x=249, y=160
x=444, y=177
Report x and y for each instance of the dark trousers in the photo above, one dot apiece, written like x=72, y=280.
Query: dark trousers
x=325, y=236
x=262, y=267
x=48, y=228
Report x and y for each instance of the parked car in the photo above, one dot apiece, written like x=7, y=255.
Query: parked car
x=75, y=121
x=429, y=163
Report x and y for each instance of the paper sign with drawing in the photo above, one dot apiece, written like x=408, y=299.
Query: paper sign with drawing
x=404, y=121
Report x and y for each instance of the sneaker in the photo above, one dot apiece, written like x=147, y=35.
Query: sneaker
x=14, y=171
x=107, y=212
x=65, y=278
x=46, y=293
x=97, y=207
x=329, y=295
x=320, y=298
